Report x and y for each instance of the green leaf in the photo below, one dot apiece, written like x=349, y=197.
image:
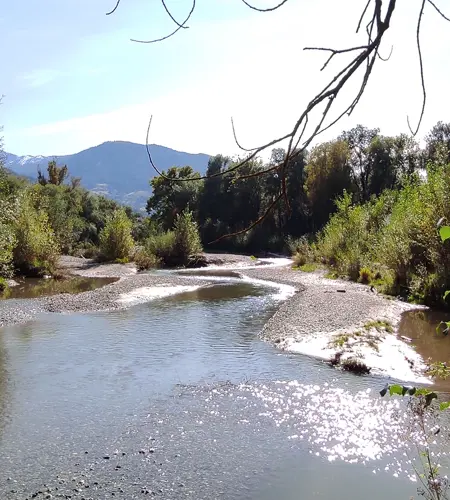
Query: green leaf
x=446, y=294
x=444, y=231
x=422, y=392
x=444, y=405
x=445, y=330
x=429, y=398
x=396, y=389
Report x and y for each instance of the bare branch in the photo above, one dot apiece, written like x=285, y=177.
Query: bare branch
x=439, y=11
x=334, y=52
x=180, y=26
x=236, y=140
x=270, y=9
x=422, y=77
x=362, y=15
x=115, y=8
x=171, y=17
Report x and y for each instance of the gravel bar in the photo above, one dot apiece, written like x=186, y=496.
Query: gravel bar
x=320, y=304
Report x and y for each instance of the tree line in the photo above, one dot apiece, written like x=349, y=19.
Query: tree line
x=361, y=162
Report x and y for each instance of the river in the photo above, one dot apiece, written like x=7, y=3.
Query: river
x=179, y=398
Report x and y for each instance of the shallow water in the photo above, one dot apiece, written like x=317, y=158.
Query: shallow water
x=187, y=402
x=29, y=288
x=420, y=326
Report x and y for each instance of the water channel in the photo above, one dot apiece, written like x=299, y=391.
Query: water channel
x=179, y=398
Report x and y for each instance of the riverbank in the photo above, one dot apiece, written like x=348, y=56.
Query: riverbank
x=341, y=321
x=327, y=319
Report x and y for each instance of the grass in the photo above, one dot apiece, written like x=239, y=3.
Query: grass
x=379, y=325
x=340, y=340
x=309, y=267
x=331, y=275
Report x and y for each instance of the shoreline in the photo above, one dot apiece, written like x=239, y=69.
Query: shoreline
x=322, y=317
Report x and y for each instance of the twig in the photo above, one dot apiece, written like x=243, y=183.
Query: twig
x=180, y=26
x=439, y=11
x=115, y=8
x=422, y=77
x=171, y=17
x=270, y=9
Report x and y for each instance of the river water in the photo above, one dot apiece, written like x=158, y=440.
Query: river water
x=179, y=398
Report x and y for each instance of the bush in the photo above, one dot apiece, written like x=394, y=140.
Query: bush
x=3, y=285
x=365, y=275
x=116, y=242
x=187, y=238
x=180, y=247
x=302, y=251
x=145, y=260
x=7, y=237
x=36, y=251
x=161, y=246
x=397, y=235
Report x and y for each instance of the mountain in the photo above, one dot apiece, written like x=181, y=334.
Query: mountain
x=119, y=169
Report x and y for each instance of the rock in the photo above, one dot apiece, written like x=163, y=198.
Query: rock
x=106, y=457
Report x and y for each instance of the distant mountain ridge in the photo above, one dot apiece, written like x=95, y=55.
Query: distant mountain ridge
x=117, y=169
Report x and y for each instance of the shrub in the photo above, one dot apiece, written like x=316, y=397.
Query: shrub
x=36, y=251
x=303, y=252
x=161, y=246
x=144, y=260
x=7, y=237
x=116, y=241
x=187, y=238
x=395, y=234
x=3, y=285
x=365, y=275
x=180, y=247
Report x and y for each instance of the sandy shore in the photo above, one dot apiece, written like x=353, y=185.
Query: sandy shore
x=322, y=318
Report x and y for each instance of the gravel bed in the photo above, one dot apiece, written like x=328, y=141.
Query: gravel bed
x=323, y=305
x=320, y=304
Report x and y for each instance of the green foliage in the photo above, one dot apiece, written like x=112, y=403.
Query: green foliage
x=161, y=246
x=328, y=175
x=36, y=250
x=365, y=275
x=171, y=197
x=310, y=267
x=444, y=232
x=56, y=175
x=395, y=233
x=3, y=285
x=379, y=325
x=116, y=241
x=145, y=260
x=179, y=247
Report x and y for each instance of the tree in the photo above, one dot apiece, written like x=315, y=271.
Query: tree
x=56, y=175
x=359, y=141
x=438, y=144
x=171, y=197
x=328, y=175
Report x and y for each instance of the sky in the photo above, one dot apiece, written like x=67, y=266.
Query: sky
x=72, y=79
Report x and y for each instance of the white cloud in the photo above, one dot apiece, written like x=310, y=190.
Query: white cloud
x=40, y=77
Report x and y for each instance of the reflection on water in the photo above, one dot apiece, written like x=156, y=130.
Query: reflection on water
x=225, y=414
x=420, y=326
x=36, y=287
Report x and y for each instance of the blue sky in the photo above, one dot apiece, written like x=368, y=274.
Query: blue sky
x=72, y=79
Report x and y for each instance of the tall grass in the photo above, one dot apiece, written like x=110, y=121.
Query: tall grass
x=395, y=237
